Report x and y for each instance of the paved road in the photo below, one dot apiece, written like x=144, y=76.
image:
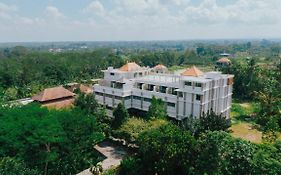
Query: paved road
x=114, y=154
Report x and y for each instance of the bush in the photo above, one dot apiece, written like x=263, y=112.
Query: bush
x=129, y=166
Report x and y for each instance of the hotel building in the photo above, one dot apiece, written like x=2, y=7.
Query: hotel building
x=189, y=93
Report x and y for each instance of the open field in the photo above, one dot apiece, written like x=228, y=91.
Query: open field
x=243, y=125
x=246, y=131
x=242, y=122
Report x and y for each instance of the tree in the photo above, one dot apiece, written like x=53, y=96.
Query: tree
x=270, y=134
x=120, y=114
x=56, y=142
x=87, y=103
x=157, y=109
x=167, y=150
x=129, y=166
x=11, y=166
x=222, y=154
x=133, y=127
x=267, y=160
x=210, y=121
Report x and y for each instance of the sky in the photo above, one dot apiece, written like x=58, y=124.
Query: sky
x=126, y=20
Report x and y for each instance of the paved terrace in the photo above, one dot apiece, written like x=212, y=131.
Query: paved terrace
x=114, y=154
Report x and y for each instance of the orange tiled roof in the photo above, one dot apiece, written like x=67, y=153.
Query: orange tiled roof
x=224, y=60
x=52, y=94
x=160, y=66
x=130, y=67
x=193, y=71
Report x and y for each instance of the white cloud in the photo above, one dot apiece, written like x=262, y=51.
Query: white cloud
x=95, y=7
x=53, y=12
x=246, y=12
x=25, y=20
x=7, y=10
x=146, y=19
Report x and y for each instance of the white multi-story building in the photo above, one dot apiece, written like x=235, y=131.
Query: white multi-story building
x=187, y=94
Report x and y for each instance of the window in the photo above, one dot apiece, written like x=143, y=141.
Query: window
x=163, y=89
x=198, y=97
x=136, y=98
x=112, y=74
x=229, y=81
x=198, y=84
x=118, y=98
x=180, y=94
x=139, y=85
x=118, y=85
x=171, y=104
x=150, y=87
x=174, y=92
x=108, y=95
x=188, y=83
x=135, y=75
x=127, y=98
x=98, y=93
x=147, y=99
x=112, y=84
x=140, y=74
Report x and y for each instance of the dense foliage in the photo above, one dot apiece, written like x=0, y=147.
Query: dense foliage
x=209, y=121
x=157, y=109
x=120, y=114
x=168, y=150
x=133, y=127
x=25, y=73
x=49, y=141
x=11, y=166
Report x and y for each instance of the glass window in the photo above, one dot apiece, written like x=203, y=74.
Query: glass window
x=198, y=97
x=136, y=98
x=112, y=74
x=108, y=95
x=198, y=84
x=171, y=104
x=127, y=98
x=147, y=99
x=98, y=93
x=180, y=94
x=118, y=98
x=188, y=83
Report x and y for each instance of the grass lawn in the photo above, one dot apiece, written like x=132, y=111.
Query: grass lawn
x=246, y=131
x=243, y=126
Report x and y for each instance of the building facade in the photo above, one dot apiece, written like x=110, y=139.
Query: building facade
x=190, y=93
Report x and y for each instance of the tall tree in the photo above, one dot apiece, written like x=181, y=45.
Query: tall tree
x=120, y=114
x=167, y=150
x=157, y=109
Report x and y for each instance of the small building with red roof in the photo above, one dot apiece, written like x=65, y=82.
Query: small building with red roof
x=56, y=97
x=224, y=61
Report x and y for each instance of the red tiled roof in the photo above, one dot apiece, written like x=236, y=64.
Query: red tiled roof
x=160, y=66
x=193, y=71
x=130, y=67
x=224, y=60
x=52, y=94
